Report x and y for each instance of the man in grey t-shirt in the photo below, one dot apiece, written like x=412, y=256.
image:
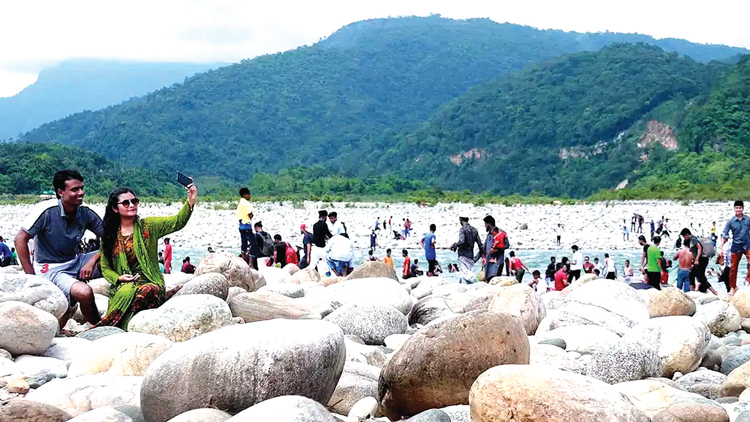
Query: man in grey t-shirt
x=57, y=226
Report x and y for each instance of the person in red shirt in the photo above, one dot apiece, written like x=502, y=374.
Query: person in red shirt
x=517, y=267
x=406, y=273
x=588, y=267
x=167, y=256
x=561, y=277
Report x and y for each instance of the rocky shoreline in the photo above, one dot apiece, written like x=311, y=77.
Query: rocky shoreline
x=234, y=344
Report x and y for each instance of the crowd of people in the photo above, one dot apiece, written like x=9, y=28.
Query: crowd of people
x=128, y=258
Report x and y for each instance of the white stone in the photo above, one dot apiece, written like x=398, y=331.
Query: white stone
x=184, y=317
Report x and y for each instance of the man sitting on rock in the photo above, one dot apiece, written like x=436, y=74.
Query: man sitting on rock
x=57, y=226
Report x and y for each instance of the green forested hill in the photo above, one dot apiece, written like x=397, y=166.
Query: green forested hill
x=341, y=102
x=27, y=168
x=566, y=127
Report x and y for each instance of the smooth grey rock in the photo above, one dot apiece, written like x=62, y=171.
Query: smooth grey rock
x=40, y=370
x=705, y=383
x=371, y=291
x=35, y=291
x=202, y=415
x=251, y=362
x=372, y=354
x=213, y=284
x=285, y=409
x=99, y=332
x=22, y=410
x=734, y=359
x=584, y=339
x=236, y=271
x=744, y=416
x=429, y=309
x=458, y=413
x=432, y=415
x=120, y=354
x=67, y=348
x=25, y=329
x=721, y=317
x=555, y=342
x=371, y=323
x=625, y=360
x=266, y=305
x=357, y=382
x=286, y=289
x=83, y=394
x=183, y=317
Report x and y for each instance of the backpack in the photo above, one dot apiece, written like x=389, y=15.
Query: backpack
x=709, y=250
x=267, y=246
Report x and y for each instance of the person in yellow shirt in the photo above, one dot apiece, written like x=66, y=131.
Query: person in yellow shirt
x=244, y=214
x=388, y=259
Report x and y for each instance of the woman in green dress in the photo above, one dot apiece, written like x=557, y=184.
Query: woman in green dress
x=129, y=259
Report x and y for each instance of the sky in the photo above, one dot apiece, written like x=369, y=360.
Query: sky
x=35, y=34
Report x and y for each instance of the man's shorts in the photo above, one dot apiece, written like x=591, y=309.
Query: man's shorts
x=65, y=274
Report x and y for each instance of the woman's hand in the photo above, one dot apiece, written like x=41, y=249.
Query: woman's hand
x=192, y=194
x=128, y=278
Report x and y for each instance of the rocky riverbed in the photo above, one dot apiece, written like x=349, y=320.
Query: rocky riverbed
x=233, y=344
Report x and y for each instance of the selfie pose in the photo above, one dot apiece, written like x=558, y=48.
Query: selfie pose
x=129, y=258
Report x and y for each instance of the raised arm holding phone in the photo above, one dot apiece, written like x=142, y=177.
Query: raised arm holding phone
x=129, y=253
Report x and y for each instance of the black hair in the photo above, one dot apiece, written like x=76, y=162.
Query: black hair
x=277, y=237
x=512, y=253
x=739, y=204
x=685, y=231
x=657, y=240
x=346, y=235
x=405, y=252
x=606, y=255
x=489, y=220
x=536, y=273
x=62, y=176
x=244, y=191
x=642, y=237
x=187, y=259
x=111, y=222
x=166, y=240
x=574, y=247
x=388, y=250
x=1, y=239
x=322, y=213
x=433, y=227
x=369, y=252
x=552, y=258
x=258, y=224
x=564, y=260
x=334, y=214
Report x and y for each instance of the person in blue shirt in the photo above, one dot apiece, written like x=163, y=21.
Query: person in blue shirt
x=739, y=225
x=6, y=256
x=428, y=244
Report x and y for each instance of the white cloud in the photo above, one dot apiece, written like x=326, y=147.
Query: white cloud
x=39, y=33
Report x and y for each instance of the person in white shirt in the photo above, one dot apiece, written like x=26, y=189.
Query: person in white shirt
x=337, y=227
x=340, y=254
x=610, y=271
x=576, y=265
x=598, y=266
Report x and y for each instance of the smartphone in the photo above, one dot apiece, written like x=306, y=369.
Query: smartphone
x=184, y=180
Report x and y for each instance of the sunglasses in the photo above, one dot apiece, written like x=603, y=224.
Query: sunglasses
x=127, y=203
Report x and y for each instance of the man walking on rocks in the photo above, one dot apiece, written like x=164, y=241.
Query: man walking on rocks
x=653, y=265
x=491, y=269
x=244, y=214
x=739, y=225
x=428, y=244
x=320, y=235
x=57, y=226
x=576, y=265
x=467, y=237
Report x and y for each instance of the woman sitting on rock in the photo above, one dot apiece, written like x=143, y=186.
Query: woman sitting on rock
x=129, y=259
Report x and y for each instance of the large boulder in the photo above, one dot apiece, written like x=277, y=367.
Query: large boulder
x=427, y=285
x=476, y=297
x=735, y=358
x=681, y=341
x=510, y=393
x=584, y=339
x=237, y=272
x=720, y=317
x=213, y=284
x=670, y=302
x=239, y=366
x=624, y=360
x=25, y=329
x=306, y=275
x=183, y=317
x=264, y=305
x=436, y=365
x=692, y=412
x=373, y=269
x=121, y=354
x=82, y=394
x=285, y=409
x=35, y=291
x=737, y=381
x=741, y=302
x=652, y=396
x=357, y=382
x=22, y=410
x=429, y=309
x=523, y=303
x=371, y=291
x=67, y=348
x=611, y=304
x=371, y=323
